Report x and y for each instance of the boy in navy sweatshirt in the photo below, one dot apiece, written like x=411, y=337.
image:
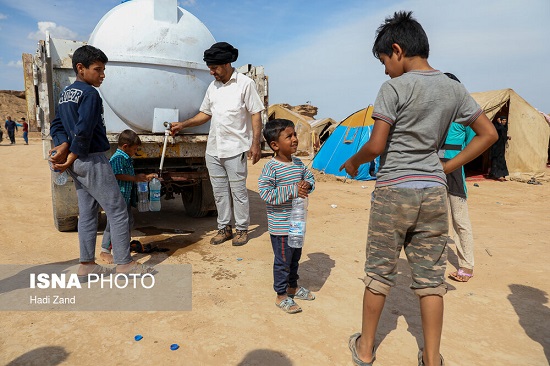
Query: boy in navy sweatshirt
x=80, y=139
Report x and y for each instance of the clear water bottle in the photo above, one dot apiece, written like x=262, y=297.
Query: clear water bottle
x=60, y=178
x=154, y=194
x=143, y=196
x=297, y=228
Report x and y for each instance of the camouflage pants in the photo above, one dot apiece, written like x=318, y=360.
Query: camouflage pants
x=416, y=219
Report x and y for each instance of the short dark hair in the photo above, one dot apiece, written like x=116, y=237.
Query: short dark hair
x=129, y=138
x=87, y=55
x=273, y=129
x=404, y=30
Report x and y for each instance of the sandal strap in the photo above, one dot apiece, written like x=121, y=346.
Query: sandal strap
x=287, y=303
x=304, y=294
x=460, y=272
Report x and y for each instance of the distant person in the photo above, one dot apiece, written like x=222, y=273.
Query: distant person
x=80, y=139
x=457, y=138
x=25, y=126
x=233, y=104
x=499, y=169
x=11, y=127
x=283, y=178
x=1, y=134
x=123, y=167
x=409, y=204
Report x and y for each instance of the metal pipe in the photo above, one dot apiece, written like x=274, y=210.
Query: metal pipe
x=166, y=134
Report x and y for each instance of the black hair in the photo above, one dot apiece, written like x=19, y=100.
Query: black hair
x=87, y=55
x=451, y=76
x=129, y=138
x=404, y=30
x=273, y=129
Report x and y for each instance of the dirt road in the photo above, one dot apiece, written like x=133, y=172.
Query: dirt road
x=501, y=317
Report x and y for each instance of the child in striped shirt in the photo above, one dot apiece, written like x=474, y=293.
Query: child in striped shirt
x=283, y=178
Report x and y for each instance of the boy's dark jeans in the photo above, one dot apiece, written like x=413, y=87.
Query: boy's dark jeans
x=285, y=264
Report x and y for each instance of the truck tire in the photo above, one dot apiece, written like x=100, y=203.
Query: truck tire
x=198, y=200
x=65, y=206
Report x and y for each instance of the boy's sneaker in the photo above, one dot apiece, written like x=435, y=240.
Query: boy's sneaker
x=223, y=235
x=241, y=238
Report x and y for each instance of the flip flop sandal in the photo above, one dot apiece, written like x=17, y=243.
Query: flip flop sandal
x=136, y=246
x=460, y=273
x=354, y=356
x=137, y=270
x=286, y=305
x=97, y=270
x=303, y=294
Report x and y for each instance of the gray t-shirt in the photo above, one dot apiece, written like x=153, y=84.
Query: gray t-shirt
x=419, y=106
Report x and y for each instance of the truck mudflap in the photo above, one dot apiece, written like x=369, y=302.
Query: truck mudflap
x=64, y=205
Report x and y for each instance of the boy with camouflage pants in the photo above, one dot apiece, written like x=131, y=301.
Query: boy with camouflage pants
x=412, y=114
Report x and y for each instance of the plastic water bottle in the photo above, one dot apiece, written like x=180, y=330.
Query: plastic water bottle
x=154, y=194
x=297, y=228
x=60, y=178
x=143, y=196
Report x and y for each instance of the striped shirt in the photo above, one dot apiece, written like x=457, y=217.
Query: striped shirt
x=122, y=164
x=277, y=187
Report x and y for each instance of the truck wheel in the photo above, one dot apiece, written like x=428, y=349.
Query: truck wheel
x=65, y=206
x=198, y=200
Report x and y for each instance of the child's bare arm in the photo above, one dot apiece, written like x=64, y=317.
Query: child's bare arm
x=486, y=135
x=135, y=178
x=127, y=177
x=374, y=147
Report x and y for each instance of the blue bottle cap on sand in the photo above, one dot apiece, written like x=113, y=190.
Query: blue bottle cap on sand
x=174, y=346
x=138, y=337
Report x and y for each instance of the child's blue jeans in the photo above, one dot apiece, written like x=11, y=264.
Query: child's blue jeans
x=285, y=264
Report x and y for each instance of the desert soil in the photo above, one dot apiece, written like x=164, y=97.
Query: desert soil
x=11, y=105
x=500, y=317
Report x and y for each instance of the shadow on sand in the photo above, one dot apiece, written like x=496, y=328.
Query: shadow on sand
x=260, y=357
x=534, y=316
x=43, y=356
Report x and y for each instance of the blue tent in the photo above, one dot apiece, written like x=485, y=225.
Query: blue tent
x=350, y=135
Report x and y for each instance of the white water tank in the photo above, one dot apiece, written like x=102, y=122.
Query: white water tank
x=155, y=71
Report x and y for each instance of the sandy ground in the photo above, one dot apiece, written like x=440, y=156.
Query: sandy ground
x=501, y=317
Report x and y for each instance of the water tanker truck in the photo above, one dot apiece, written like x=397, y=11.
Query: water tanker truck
x=155, y=74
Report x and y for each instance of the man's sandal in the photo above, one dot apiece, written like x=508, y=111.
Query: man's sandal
x=354, y=356
x=286, y=305
x=461, y=276
x=303, y=294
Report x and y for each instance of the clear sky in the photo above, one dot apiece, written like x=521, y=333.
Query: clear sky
x=319, y=51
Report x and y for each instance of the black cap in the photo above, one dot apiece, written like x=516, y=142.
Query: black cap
x=220, y=53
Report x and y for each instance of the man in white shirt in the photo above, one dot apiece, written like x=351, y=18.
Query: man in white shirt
x=233, y=105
